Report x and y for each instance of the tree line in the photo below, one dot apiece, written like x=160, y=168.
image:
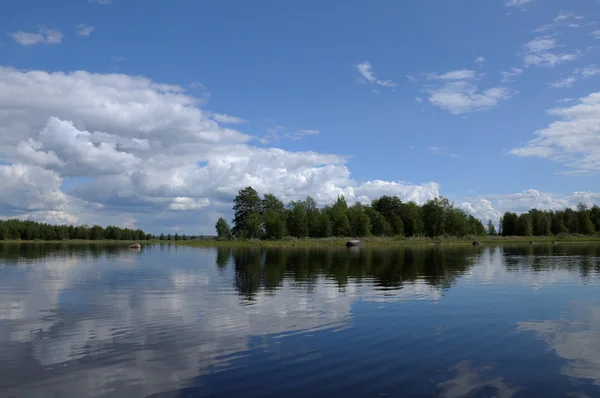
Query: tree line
x=31, y=230
x=269, y=218
x=583, y=220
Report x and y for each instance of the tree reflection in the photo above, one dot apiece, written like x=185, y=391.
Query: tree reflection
x=388, y=268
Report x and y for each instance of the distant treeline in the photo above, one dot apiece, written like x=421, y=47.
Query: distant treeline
x=31, y=230
x=583, y=221
x=269, y=218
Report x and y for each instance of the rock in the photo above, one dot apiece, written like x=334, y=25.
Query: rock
x=135, y=246
x=354, y=243
x=476, y=243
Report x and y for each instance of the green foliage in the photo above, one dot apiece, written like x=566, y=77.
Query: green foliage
x=360, y=223
x=297, y=220
x=176, y=236
x=247, y=206
x=31, y=230
x=274, y=225
x=223, y=230
x=491, y=229
x=338, y=214
x=434, y=217
x=162, y=237
x=169, y=237
x=524, y=225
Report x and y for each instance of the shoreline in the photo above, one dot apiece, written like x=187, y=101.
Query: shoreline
x=392, y=242
x=329, y=242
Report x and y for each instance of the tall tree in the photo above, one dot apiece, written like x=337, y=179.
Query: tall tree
x=434, y=216
x=338, y=214
x=360, y=224
x=247, y=206
x=223, y=230
x=491, y=229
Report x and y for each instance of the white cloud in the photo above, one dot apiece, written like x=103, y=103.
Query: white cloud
x=577, y=74
x=146, y=150
x=565, y=82
x=29, y=188
x=197, y=85
x=460, y=97
x=480, y=60
x=573, y=141
x=44, y=36
x=537, y=52
x=508, y=76
x=491, y=207
x=301, y=134
x=101, y=2
x=223, y=118
x=563, y=16
x=461, y=74
x=595, y=34
x=366, y=71
x=84, y=30
x=517, y=3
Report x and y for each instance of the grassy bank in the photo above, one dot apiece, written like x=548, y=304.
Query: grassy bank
x=378, y=241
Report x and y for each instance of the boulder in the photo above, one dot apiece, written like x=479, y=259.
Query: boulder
x=476, y=243
x=135, y=246
x=354, y=243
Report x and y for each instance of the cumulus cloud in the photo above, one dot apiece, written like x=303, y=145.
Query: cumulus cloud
x=459, y=92
x=366, y=71
x=84, y=30
x=573, y=141
x=148, y=151
x=539, y=52
x=480, y=60
x=29, y=188
x=460, y=97
x=44, y=36
x=491, y=207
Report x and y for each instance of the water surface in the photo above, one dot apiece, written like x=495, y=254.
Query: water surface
x=169, y=321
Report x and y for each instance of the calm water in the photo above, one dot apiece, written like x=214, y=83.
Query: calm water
x=189, y=322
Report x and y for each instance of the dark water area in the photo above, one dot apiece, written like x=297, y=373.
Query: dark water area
x=169, y=321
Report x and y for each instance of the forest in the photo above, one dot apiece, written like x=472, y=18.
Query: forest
x=269, y=218
x=583, y=220
x=31, y=230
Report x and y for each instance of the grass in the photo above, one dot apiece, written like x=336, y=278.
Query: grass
x=333, y=242
x=386, y=241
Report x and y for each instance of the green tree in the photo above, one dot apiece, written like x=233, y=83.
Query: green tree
x=274, y=225
x=297, y=221
x=524, y=225
x=169, y=237
x=491, y=229
x=434, y=216
x=162, y=237
x=176, y=236
x=247, y=206
x=360, y=224
x=411, y=218
x=509, y=224
x=379, y=225
x=338, y=214
x=223, y=230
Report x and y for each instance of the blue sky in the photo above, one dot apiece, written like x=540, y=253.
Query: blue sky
x=359, y=98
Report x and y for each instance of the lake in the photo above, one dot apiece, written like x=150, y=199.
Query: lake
x=172, y=321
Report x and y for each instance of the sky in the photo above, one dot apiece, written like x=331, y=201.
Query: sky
x=154, y=114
